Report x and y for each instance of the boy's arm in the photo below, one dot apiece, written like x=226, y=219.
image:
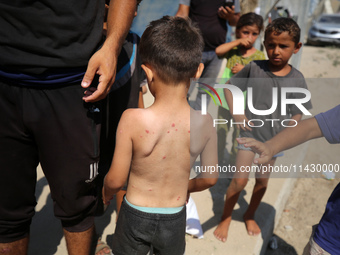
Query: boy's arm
x=104, y=61
x=120, y=167
x=237, y=118
x=286, y=139
x=208, y=158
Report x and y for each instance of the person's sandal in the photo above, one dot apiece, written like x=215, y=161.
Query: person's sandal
x=101, y=245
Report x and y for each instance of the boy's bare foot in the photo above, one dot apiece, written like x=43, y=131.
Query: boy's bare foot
x=251, y=225
x=221, y=232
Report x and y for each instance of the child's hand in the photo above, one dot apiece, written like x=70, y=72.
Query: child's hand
x=106, y=199
x=245, y=42
x=236, y=68
x=243, y=119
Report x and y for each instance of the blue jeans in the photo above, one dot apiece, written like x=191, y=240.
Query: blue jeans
x=136, y=232
x=212, y=68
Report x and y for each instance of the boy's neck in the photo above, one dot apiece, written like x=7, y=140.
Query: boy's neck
x=169, y=94
x=280, y=70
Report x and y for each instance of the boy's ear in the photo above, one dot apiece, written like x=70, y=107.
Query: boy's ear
x=199, y=70
x=149, y=73
x=297, y=47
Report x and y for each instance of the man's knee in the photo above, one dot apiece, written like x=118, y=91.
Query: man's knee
x=14, y=230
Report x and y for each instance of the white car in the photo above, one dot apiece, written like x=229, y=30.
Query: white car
x=325, y=30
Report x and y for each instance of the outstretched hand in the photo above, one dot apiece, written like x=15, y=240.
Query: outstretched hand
x=264, y=151
x=103, y=63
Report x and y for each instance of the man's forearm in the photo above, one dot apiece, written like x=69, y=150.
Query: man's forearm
x=293, y=136
x=234, y=19
x=120, y=16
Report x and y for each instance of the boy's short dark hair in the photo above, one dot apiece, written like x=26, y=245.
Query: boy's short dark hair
x=281, y=25
x=173, y=47
x=250, y=19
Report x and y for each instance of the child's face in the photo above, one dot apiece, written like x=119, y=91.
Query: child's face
x=250, y=32
x=280, y=47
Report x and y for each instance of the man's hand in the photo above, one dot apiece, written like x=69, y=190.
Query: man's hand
x=263, y=149
x=103, y=63
x=226, y=12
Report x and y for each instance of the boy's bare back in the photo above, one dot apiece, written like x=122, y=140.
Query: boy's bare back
x=162, y=154
x=160, y=163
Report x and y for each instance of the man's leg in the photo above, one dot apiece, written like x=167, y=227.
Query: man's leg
x=67, y=135
x=15, y=248
x=79, y=243
x=18, y=161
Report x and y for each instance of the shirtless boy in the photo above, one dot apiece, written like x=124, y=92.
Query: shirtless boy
x=154, y=151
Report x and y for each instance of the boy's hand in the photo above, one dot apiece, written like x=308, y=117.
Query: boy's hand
x=236, y=68
x=265, y=152
x=243, y=119
x=106, y=199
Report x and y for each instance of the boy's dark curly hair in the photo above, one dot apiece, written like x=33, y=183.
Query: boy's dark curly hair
x=172, y=46
x=281, y=25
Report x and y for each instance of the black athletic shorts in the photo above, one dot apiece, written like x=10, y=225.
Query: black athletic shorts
x=55, y=127
x=137, y=232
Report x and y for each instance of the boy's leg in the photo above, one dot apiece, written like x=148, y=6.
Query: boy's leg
x=222, y=133
x=258, y=193
x=234, y=149
x=67, y=135
x=239, y=181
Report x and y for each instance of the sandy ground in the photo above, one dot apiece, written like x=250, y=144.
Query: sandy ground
x=307, y=201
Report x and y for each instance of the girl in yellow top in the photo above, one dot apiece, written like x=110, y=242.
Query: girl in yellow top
x=238, y=54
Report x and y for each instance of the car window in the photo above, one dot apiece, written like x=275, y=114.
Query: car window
x=330, y=19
